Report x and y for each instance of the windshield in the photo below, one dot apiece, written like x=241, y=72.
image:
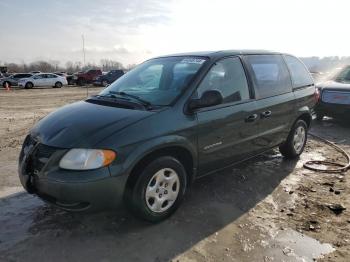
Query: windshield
x=343, y=76
x=158, y=81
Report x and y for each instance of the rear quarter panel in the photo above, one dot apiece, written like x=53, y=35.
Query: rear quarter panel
x=305, y=100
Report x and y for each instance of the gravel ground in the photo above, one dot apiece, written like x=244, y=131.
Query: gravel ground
x=267, y=209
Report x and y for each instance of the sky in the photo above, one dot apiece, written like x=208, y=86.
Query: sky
x=131, y=31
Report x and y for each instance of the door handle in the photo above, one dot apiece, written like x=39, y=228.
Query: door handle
x=251, y=118
x=266, y=114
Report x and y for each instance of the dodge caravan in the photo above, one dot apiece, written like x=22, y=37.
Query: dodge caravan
x=144, y=139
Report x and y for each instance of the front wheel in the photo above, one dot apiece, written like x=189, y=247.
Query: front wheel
x=158, y=190
x=29, y=85
x=296, y=141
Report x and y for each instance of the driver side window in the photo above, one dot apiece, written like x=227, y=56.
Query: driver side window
x=228, y=77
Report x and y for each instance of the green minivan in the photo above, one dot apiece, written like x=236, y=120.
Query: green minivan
x=145, y=138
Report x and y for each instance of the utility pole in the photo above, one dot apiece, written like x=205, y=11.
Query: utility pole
x=82, y=36
x=87, y=88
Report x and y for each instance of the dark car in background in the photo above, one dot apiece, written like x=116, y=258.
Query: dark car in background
x=145, y=138
x=87, y=77
x=13, y=79
x=108, y=78
x=71, y=78
x=334, y=96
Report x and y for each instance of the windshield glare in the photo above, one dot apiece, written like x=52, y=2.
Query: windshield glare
x=158, y=81
x=343, y=76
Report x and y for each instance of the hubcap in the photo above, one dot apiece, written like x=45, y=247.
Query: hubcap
x=162, y=190
x=299, y=139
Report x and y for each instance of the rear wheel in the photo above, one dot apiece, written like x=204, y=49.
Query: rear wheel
x=158, y=190
x=29, y=85
x=80, y=82
x=104, y=83
x=58, y=85
x=296, y=141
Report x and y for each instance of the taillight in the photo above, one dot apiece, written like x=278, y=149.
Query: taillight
x=317, y=95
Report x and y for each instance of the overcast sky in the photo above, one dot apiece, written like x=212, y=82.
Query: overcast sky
x=133, y=30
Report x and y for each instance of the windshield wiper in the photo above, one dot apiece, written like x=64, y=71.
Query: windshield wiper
x=145, y=103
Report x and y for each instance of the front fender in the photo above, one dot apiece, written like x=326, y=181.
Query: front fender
x=134, y=155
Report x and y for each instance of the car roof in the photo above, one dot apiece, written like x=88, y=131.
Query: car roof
x=223, y=53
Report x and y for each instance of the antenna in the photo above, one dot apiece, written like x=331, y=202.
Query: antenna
x=87, y=87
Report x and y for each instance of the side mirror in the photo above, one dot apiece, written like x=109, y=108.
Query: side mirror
x=208, y=98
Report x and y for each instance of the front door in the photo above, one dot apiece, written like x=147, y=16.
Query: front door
x=226, y=132
x=40, y=80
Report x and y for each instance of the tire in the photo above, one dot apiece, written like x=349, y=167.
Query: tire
x=58, y=85
x=4, y=84
x=80, y=82
x=29, y=85
x=163, y=198
x=294, y=146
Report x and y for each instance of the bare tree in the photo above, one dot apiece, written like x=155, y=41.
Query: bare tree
x=108, y=65
x=70, y=66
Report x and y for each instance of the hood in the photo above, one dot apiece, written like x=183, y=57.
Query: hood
x=83, y=124
x=334, y=85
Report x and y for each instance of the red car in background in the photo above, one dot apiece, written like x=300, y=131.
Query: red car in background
x=87, y=77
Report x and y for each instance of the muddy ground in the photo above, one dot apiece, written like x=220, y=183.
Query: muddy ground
x=267, y=209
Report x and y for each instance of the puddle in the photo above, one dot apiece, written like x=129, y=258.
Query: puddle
x=290, y=245
x=16, y=216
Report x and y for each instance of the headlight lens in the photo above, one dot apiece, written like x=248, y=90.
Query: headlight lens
x=86, y=159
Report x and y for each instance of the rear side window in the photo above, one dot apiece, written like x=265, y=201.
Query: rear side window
x=52, y=76
x=18, y=76
x=300, y=75
x=270, y=75
x=228, y=77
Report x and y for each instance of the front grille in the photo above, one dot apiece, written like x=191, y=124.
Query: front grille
x=28, y=142
x=41, y=155
x=38, y=154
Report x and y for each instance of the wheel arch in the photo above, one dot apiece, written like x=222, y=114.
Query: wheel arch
x=180, y=152
x=304, y=113
x=58, y=82
x=307, y=118
x=29, y=82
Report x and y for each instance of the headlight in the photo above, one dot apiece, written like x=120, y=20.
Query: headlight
x=86, y=159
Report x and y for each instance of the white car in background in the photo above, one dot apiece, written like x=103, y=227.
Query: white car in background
x=43, y=79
